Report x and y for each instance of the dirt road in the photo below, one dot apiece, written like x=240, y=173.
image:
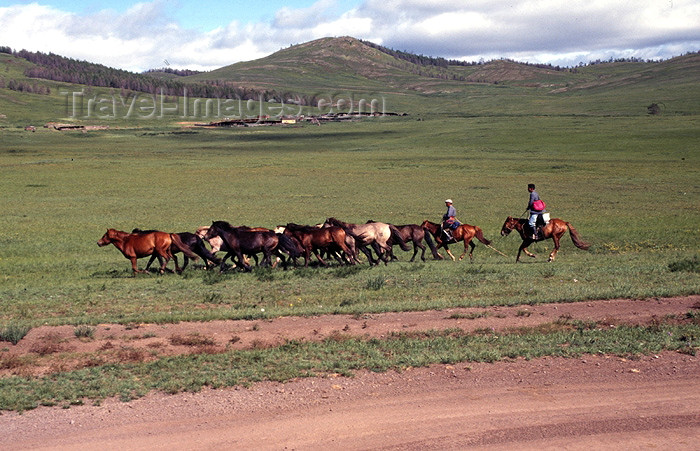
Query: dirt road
x=551, y=403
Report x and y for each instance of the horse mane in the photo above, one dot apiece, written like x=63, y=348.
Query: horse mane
x=301, y=228
x=143, y=232
x=222, y=224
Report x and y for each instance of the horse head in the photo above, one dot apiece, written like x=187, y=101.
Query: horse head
x=431, y=226
x=508, y=226
x=108, y=237
x=213, y=231
x=334, y=222
x=202, y=231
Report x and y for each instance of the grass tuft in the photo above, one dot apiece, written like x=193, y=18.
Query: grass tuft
x=375, y=283
x=687, y=265
x=84, y=331
x=14, y=333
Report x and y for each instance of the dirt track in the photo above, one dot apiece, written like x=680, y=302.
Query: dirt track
x=591, y=402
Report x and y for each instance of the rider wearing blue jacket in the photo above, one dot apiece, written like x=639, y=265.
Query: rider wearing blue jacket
x=533, y=213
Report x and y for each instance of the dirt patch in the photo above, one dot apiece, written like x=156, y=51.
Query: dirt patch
x=594, y=401
x=50, y=349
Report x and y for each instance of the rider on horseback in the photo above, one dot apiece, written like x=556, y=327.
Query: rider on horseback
x=449, y=220
x=534, y=213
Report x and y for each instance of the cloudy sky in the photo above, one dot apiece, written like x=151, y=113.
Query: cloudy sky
x=205, y=35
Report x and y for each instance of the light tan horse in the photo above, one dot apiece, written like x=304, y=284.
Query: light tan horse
x=375, y=234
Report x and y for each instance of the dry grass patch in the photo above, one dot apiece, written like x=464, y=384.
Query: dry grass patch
x=49, y=344
x=193, y=339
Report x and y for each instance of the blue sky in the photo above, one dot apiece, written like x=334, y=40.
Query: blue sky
x=202, y=16
x=206, y=35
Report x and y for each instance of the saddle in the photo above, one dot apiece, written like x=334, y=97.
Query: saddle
x=542, y=220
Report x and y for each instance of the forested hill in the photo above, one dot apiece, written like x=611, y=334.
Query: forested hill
x=59, y=68
x=347, y=63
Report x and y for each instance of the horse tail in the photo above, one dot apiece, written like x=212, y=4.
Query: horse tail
x=200, y=249
x=480, y=236
x=289, y=245
x=185, y=249
x=429, y=239
x=578, y=242
x=396, y=236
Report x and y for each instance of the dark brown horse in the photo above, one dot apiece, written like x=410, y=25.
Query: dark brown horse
x=217, y=244
x=137, y=245
x=555, y=229
x=312, y=239
x=464, y=232
x=415, y=234
x=244, y=240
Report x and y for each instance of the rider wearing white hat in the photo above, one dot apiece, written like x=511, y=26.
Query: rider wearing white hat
x=449, y=219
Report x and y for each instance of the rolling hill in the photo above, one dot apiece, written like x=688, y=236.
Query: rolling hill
x=333, y=67
x=348, y=63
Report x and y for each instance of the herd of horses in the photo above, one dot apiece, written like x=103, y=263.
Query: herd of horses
x=333, y=238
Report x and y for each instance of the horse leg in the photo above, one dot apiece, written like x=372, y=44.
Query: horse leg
x=523, y=248
x=415, y=251
x=447, y=249
x=134, y=266
x=177, y=267
x=381, y=252
x=242, y=259
x=553, y=254
x=150, y=261
x=368, y=253
x=471, y=251
x=318, y=257
x=166, y=259
x=222, y=266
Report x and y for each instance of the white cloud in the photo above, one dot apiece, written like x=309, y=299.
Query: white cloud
x=146, y=36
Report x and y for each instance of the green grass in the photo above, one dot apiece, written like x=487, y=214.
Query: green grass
x=604, y=175
x=626, y=180
x=339, y=354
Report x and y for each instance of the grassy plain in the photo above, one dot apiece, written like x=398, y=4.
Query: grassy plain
x=628, y=182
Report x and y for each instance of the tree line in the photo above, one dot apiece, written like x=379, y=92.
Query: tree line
x=50, y=66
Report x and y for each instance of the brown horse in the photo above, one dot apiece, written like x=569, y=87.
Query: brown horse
x=312, y=239
x=555, y=229
x=137, y=245
x=194, y=242
x=464, y=232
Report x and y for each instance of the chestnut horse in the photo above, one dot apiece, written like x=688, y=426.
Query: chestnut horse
x=137, y=245
x=555, y=229
x=464, y=232
x=194, y=242
x=312, y=239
